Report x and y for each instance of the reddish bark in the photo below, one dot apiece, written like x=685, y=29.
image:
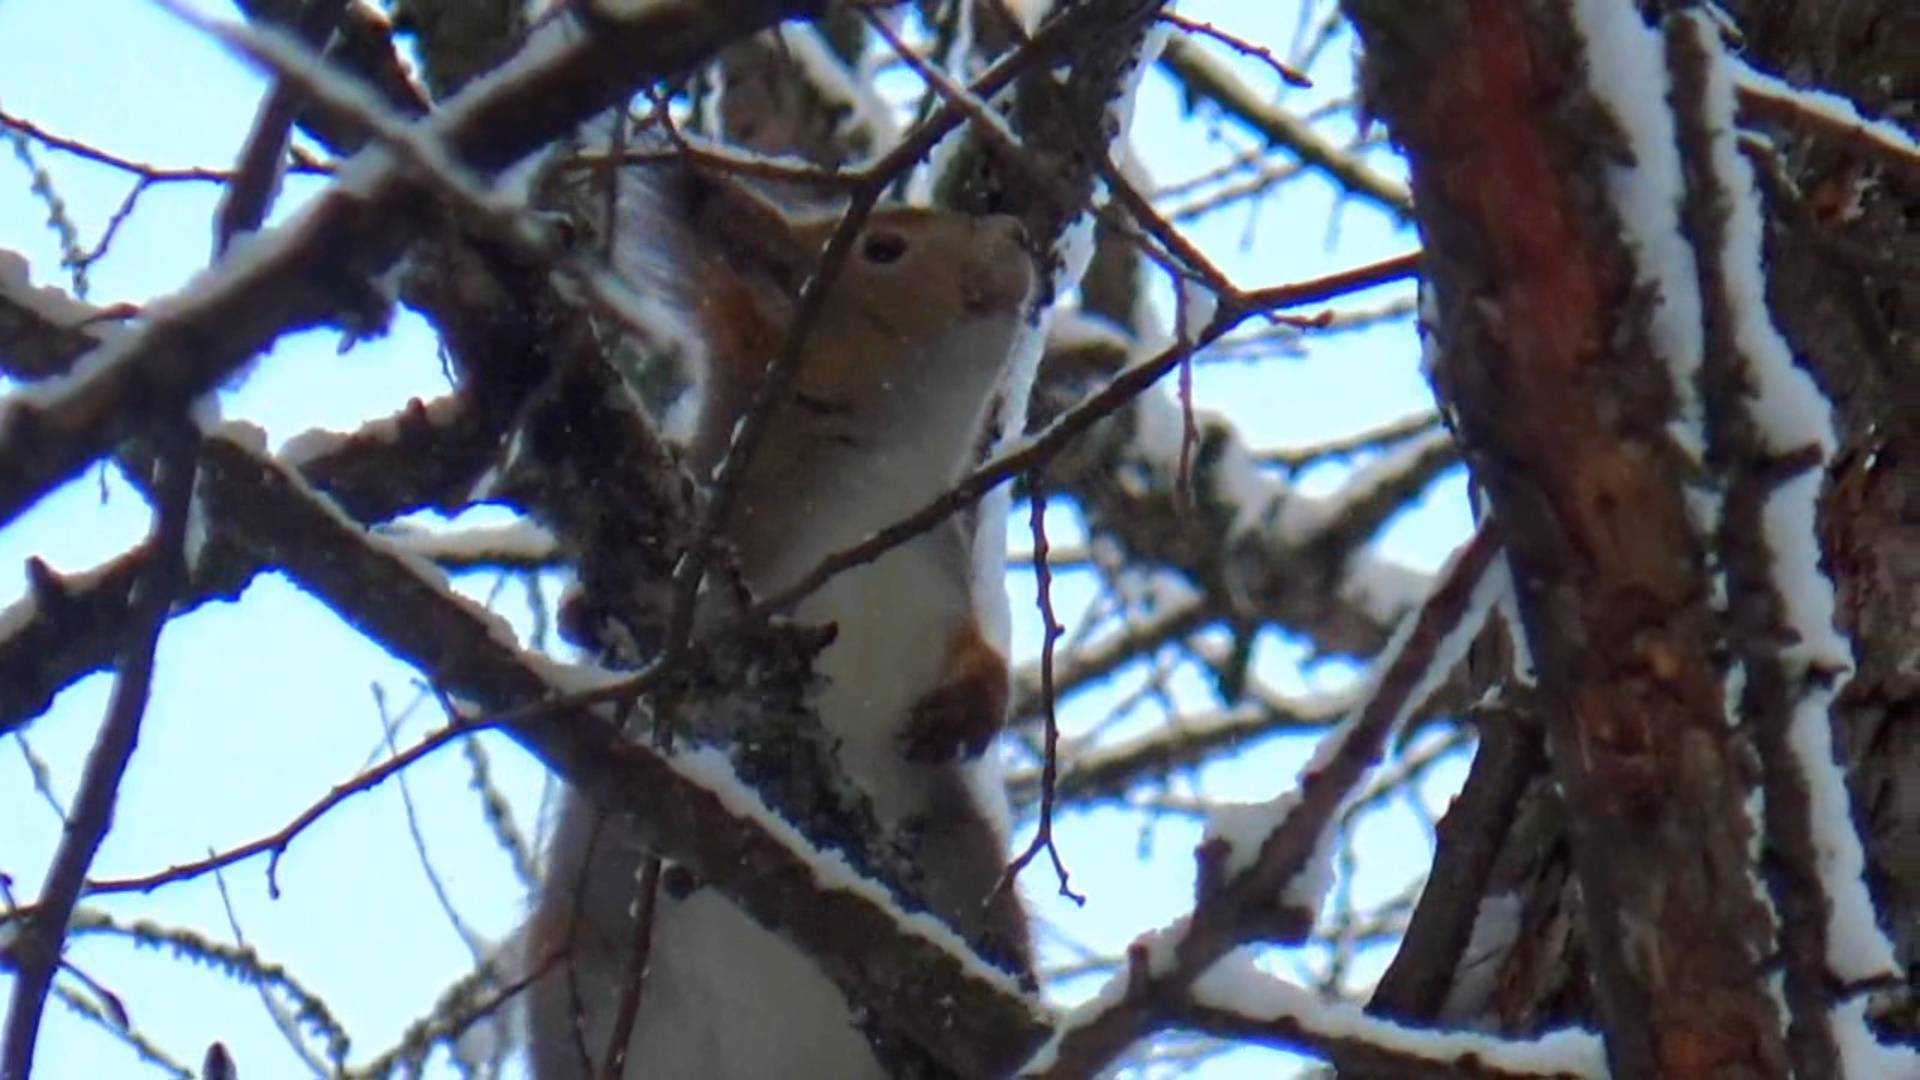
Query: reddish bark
x=1561, y=403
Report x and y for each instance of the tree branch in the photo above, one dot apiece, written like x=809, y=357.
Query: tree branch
x=911, y=971
x=298, y=275
x=1241, y=894
x=36, y=950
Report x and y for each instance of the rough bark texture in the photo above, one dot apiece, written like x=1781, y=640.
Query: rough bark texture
x=1654, y=934
x=1604, y=819
x=1845, y=290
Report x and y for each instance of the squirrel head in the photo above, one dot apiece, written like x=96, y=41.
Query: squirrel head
x=927, y=302
x=913, y=332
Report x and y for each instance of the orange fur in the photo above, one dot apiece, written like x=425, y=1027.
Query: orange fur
x=962, y=714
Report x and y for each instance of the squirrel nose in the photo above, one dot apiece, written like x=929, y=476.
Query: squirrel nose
x=1000, y=267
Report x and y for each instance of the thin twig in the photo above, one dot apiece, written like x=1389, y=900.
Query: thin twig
x=1235, y=906
x=150, y=174
x=633, y=986
x=1050, y=631
x=863, y=192
x=388, y=726
x=1215, y=80
x=646, y=908
x=1234, y=309
x=278, y=842
x=1288, y=73
x=289, y=1030
x=36, y=951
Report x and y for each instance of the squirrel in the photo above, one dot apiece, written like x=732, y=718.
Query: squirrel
x=893, y=390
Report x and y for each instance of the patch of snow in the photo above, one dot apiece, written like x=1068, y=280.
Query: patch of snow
x=1236, y=984
x=1244, y=827
x=1074, y=329
x=1158, y=949
x=1832, y=107
x=247, y=436
x=1860, y=1053
x=1525, y=671
x=1626, y=67
x=1793, y=414
x=522, y=541
x=1496, y=926
x=1120, y=109
x=53, y=304
x=710, y=769
x=1383, y=588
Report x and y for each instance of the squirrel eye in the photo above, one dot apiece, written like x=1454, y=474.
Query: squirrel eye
x=883, y=247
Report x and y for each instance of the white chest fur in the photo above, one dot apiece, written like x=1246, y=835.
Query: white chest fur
x=725, y=998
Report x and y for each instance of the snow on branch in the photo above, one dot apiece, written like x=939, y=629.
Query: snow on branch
x=1771, y=97
x=1235, y=998
x=67, y=625
x=1270, y=516
x=294, y=276
x=1245, y=532
x=1257, y=878
x=1378, y=488
x=522, y=544
x=42, y=328
x=1775, y=438
x=499, y=212
x=1626, y=71
x=689, y=806
x=1574, y=327
x=1508, y=607
x=1759, y=433
x=867, y=115
x=1792, y=415
x=1416, y=661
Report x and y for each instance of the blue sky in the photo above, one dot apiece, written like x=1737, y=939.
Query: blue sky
x=261, y=706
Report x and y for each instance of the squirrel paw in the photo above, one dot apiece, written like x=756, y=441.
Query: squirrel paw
x=963, y=713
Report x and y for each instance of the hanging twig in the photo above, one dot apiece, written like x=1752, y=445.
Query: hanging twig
x=1050, y=631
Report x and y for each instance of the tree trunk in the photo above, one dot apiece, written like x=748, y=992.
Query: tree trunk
x=1625, y=880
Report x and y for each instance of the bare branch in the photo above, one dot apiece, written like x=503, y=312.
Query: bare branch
x=294, y=276
x=1240, y=895
x=911, y=971
x=1208, y=78
x=1293, y=1017
x=36, y=949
